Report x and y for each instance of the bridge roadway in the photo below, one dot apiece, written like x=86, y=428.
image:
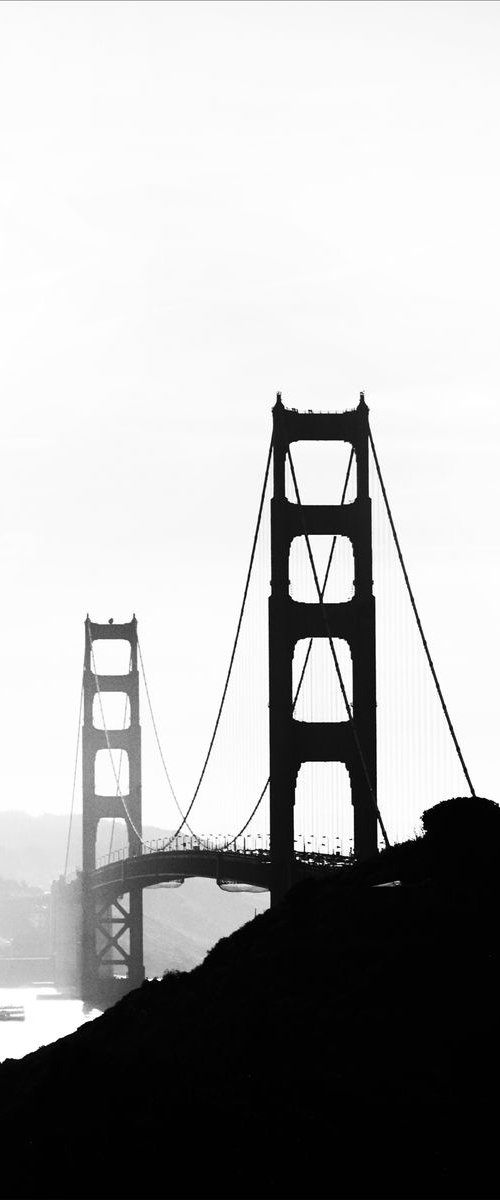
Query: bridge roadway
x=156, y=866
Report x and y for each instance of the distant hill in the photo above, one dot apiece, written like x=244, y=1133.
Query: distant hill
x=34, y=848
x=23, y=920
x=180, y=924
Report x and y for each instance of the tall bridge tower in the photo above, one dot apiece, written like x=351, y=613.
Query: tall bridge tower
x=112, y=933
x=294, y=742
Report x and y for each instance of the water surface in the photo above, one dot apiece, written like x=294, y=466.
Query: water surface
x=48, y=1016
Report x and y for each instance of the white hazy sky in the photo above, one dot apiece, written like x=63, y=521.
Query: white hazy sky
x=200, y=204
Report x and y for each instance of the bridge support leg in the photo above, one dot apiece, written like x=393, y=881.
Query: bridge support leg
x=136, y=955
x=282, y=833
x=89, y=955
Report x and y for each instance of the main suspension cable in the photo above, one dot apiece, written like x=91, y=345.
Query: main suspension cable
x=417, y=617
x=307, y=656
x=233, y=652
x=78, y=736
x=168, y=842
x=335, y=657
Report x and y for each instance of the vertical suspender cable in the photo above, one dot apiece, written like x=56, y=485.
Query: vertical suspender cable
x=74, y=780
x=235, y=644
x=417, y=618
x=158, y=742
x=307, y=656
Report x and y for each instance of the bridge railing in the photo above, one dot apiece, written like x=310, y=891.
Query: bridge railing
x=307, y=849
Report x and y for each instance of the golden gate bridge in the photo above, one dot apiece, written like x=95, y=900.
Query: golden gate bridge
x=322, y=693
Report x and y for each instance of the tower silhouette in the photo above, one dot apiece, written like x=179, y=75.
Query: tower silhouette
x=112, y=934
x=294, y=742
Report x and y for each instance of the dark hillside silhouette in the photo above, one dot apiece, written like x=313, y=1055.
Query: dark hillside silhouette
x=344, y=1044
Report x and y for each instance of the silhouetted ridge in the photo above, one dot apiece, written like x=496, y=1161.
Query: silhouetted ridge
x=462, y=836
x=461, y=839
x=343, y=1045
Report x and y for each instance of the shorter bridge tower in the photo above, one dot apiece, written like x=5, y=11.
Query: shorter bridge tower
x=112, y=937
x=294, y=742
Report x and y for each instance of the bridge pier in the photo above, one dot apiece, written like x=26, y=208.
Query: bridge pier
x=66, y=933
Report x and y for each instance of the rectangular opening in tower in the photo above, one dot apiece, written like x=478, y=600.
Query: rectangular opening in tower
x=111, y=710
x=321, y=470
x=111, y=772
x=334, y=561
x=323, y=812
x=320, y=697
x=111, y=656
x=112, y=837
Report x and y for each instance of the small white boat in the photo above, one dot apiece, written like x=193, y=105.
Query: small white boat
x=12, y=1012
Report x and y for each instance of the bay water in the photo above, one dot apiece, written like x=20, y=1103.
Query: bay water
x=48, y=1016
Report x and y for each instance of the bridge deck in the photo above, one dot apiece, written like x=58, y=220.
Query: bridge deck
x=252, y=867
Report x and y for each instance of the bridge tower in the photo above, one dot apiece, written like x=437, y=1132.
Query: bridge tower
x=294, y=742
x=112, y=932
